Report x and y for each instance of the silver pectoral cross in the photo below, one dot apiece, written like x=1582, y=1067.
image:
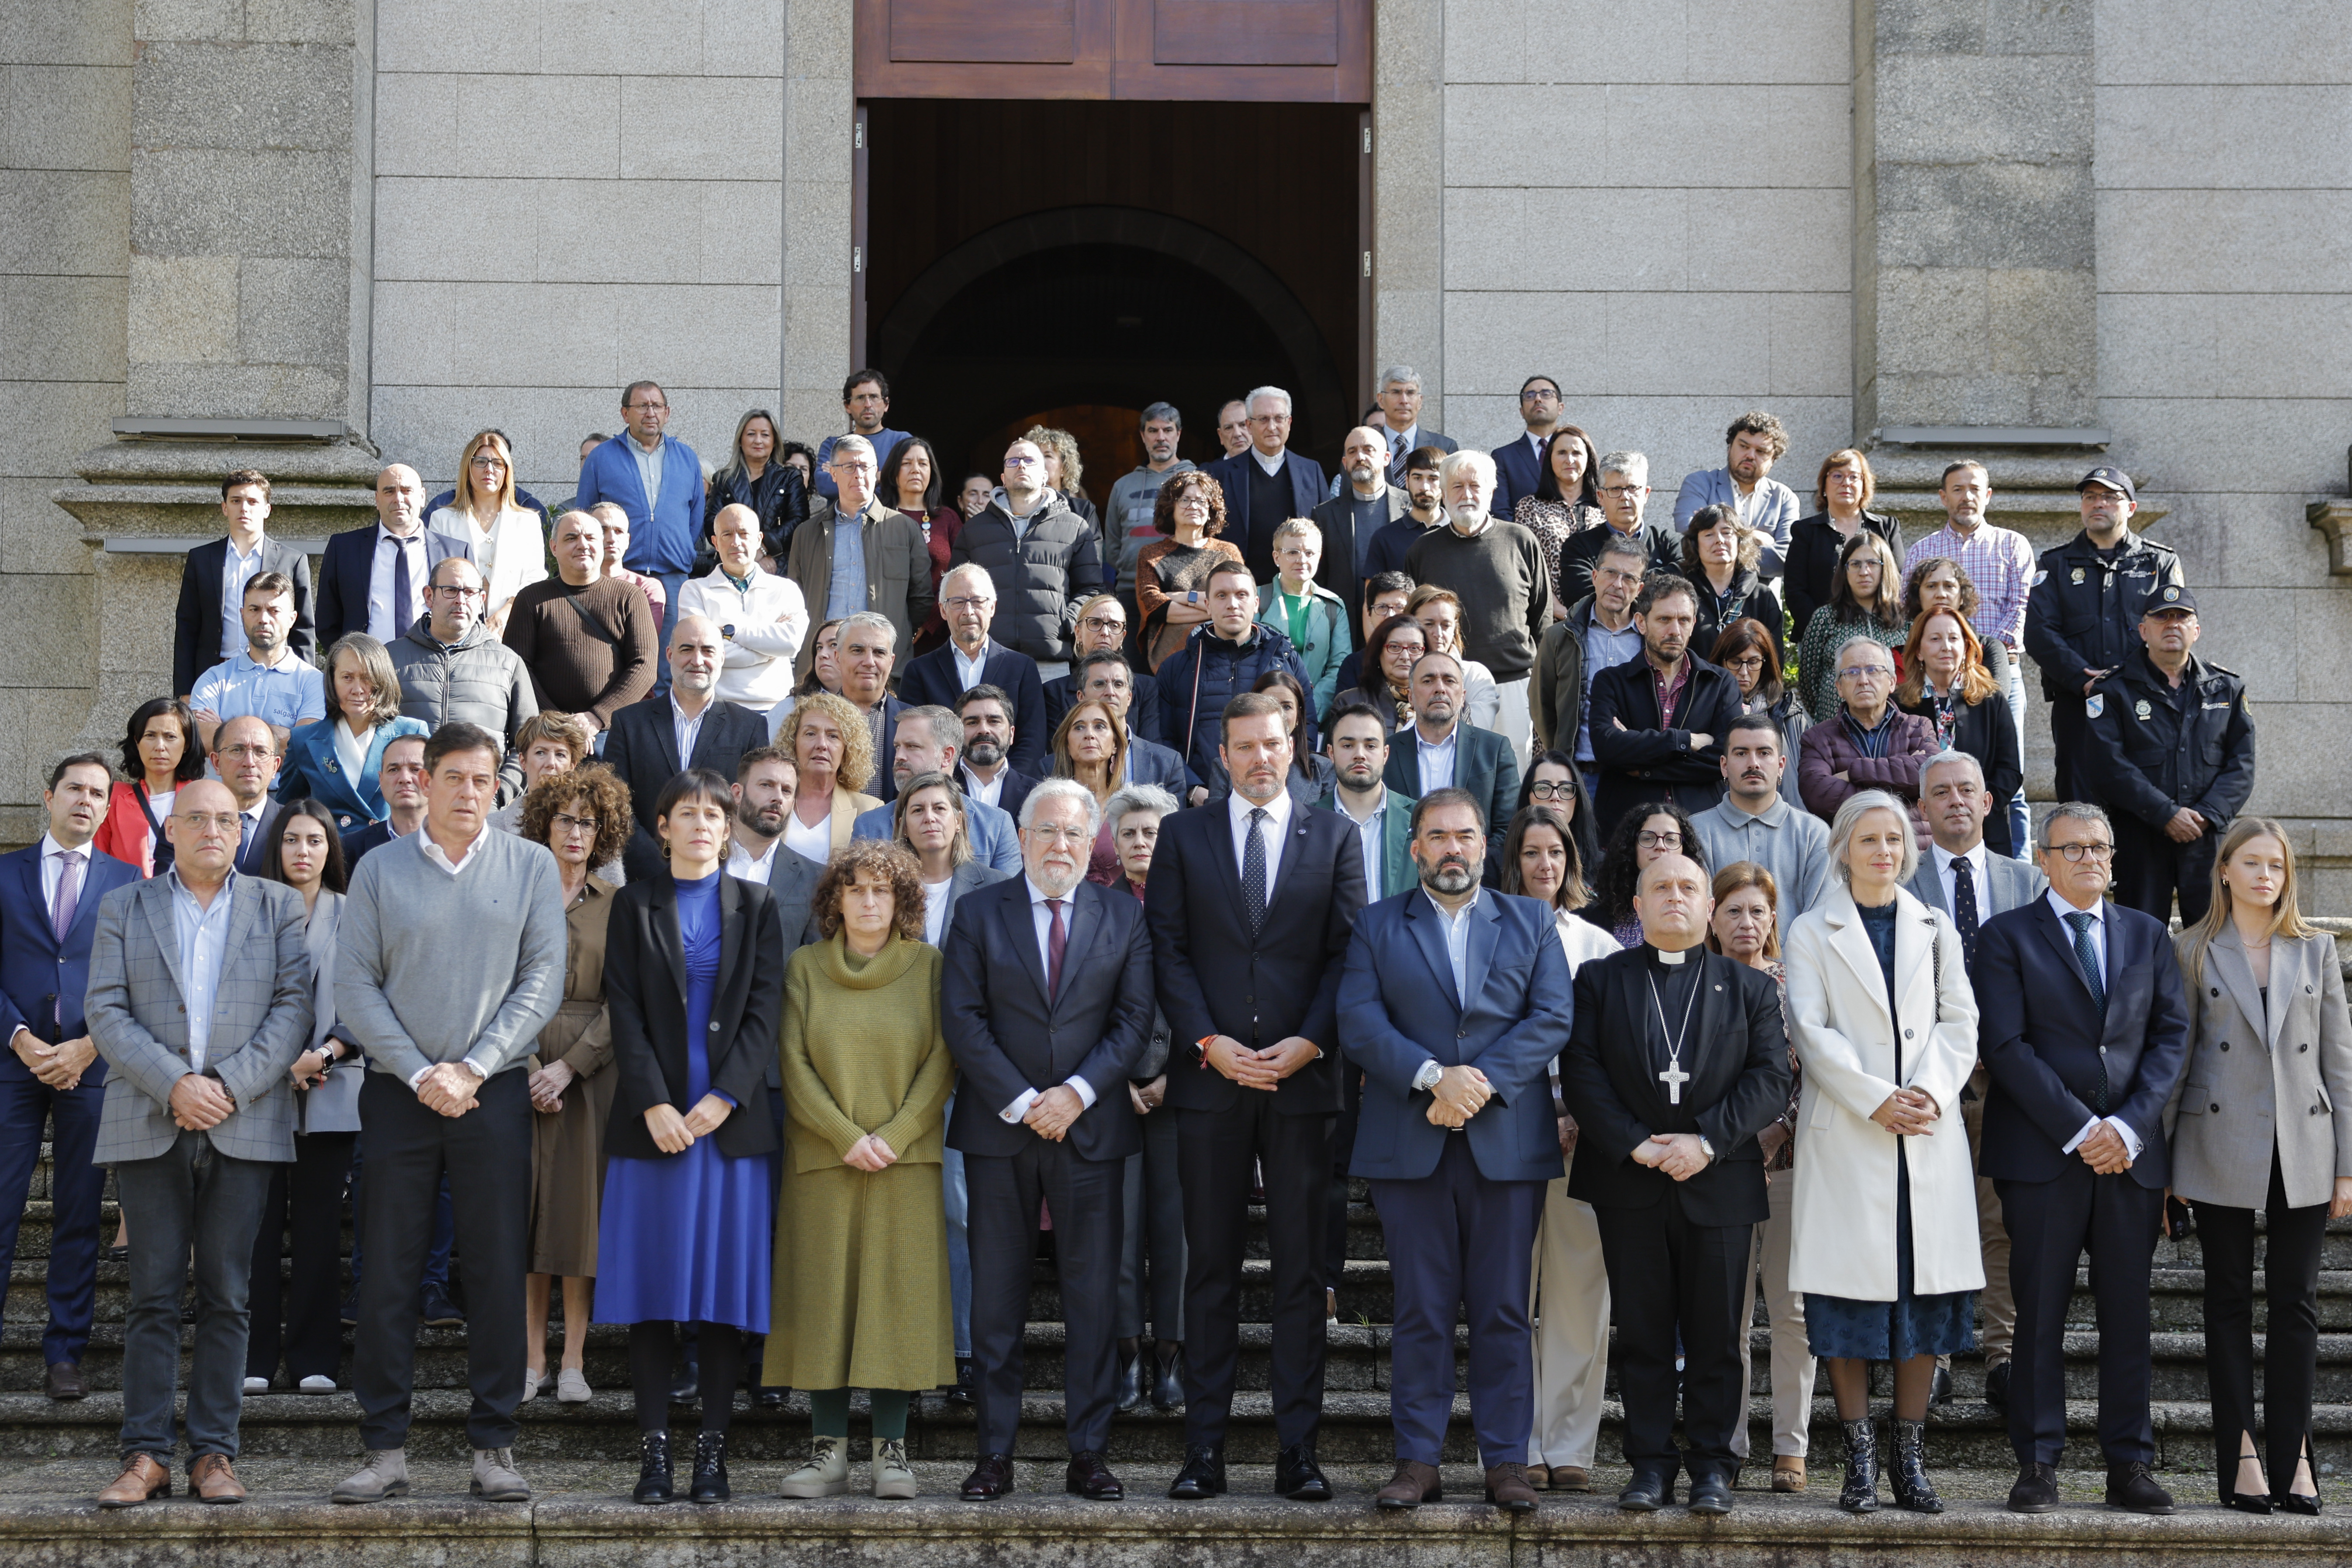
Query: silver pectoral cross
x=1674, y=1078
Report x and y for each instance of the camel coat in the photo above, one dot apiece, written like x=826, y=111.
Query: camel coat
x=1843, y=1228
x=567, y=1148
x=2260, y=1078
x=861, y=1257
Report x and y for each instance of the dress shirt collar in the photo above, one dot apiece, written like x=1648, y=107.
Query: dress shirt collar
x=1339, y=799
x=384, y=534
x=641, y=446
x=51, y=849
x=1775, y=815
x=1270, y=465
x=434, y=852
x=2066, y=911
x=743, y=864
x=1039, y=897
x=1976, y=859
x=1277, y=811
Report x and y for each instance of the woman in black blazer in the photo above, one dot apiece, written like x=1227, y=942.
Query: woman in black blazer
x=1809, y=567
x=694, y=967
x=1945, y=682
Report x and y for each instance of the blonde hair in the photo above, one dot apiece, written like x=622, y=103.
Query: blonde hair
x=505, y=496
x=2286, y=919
x=856, y=741
x=1298, y=528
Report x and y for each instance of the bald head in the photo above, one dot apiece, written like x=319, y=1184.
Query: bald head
x=203, y=830
x=735, y=535
x=245, y=754
x=695, y=653
x=1673, y=900
x=1364, y=458
x=400, y=498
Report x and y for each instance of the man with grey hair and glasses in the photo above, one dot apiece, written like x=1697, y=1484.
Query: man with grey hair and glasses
x=1267, y=484
x=2085, y=1032
x=1624, y=490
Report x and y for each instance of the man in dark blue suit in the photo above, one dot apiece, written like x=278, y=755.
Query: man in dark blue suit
x=1045, y=1000
x=1102, y=629
x=48, y=909
x=1440, y=751
x=970, y=657
x=1518, y=462
x=985, y=770
x=2086, y=1033
x=1454, y=1001
x=1267, y=484
x=641, y=747
x=1250, y=904
x=1107, y=677
x=206, y=628
x=373, y=580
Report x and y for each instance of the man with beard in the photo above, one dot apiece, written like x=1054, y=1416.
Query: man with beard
x=1658, y=722
x=1443, y=752
x=1365, y=503
x=1752, y=822
x=1753, y=443
x=987, y=773
x=927, y=741
x=1425, y=509
x=1250, y=905
x=1454, y=1002
x=1677, y=1059
x=1497, y=570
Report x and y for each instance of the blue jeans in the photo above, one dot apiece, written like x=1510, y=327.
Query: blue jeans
x=192, y=1199
x=958, y=1200
x=2020, y=820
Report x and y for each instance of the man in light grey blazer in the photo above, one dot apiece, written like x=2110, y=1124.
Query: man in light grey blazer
x=1968, y=882
x=199, y=1002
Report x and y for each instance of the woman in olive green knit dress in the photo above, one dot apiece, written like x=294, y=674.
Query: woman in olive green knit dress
x=861, y=1257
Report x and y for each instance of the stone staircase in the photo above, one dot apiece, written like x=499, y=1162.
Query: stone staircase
x=1966, y=1433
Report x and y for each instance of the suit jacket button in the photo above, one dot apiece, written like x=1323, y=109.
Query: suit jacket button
x=2225, y=1045
x=2315, y=1110
x=2217, y=990
x=2217, y=1106
x=1906, y=1033
x=714, y=1026
x=2304, y=1047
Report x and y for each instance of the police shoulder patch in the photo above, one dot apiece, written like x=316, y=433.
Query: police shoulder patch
x=2095, y=704
x=2039, y=578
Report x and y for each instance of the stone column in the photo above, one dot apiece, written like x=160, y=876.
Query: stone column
x=1975, y=225
x=820, y=115
x=1408, y=195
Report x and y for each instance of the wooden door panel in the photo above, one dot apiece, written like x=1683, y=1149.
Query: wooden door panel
x=984, y=32
x=1246, y=32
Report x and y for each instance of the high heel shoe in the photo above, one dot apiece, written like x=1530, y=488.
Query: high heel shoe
x=2291, y=1501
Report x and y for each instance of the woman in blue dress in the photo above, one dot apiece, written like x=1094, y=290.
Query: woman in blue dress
x=694, y=966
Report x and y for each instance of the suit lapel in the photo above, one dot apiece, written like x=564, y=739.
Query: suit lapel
x=29, y=872
x=1429, y=935
x=1087, y=919
x=157, y=894
x=2226, y=958
x=1851, y=942
x=2289, y=963
x=661, y=908
x=2061, y=942
x=1291, y=854
x=1217, y=830
x=1485, y=931
x=730, y=929
x=1020, y=926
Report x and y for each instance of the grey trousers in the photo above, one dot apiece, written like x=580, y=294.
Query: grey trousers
x=1155, y=1228
x=192, y=1200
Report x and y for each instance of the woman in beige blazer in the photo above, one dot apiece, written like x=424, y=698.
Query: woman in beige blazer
x=832, y=758
x=1883, y=1239
x=2263, y=1121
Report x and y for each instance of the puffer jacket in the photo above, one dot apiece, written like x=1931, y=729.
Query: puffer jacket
x=1042, y=574
x=479, y=681
x=1198, y=679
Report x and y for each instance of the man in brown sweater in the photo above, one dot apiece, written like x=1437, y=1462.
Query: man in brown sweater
x=586, y=639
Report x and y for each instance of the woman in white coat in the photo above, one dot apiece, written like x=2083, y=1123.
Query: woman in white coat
x=1883, y=1242
x=509, y=540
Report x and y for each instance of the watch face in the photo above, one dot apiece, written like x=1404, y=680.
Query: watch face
x=727, y=631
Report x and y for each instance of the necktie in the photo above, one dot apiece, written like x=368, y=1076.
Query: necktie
x=404, y=605
x=61, y=908
x=1057, y=941
x=1964, y=912
x=1253, y=870
x=247, y=839
x=2087, y=956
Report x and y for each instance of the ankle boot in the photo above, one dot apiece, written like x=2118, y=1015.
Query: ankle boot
x=655, y=1483
x=1861, y=1492
x=1908, y=1474
x=711, y=1467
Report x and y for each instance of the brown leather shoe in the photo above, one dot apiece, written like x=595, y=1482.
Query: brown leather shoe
x=65, y=1381
x=144, y=1477
x=1539, y=1477
x=1413, y=1484
x=1570, y=1477
x=1508, y=1488
x=1787, y=1473
x=212, y=1481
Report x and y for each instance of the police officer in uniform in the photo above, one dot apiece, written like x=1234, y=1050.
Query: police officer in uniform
x=2169, y=749
x=2082, y=616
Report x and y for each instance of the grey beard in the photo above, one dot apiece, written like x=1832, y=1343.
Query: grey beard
x=985, y=753
x=1448, y=877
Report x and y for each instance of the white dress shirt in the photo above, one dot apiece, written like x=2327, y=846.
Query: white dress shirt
x=53, y=869
x=969, y=671
x=1436, y=759
x=1044, y=917
x=1976, y=873
x=1275, y=829
x=1457, y=944
x=203, y=933
x=385, y=620
x=1369, y=838
x=685, y=728
x=2098, y=914
x=236, y=572
x=743, y=866
x=433, y=852
x=991, y=790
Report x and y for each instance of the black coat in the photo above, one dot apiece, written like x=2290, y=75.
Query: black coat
x=1810, y=563
x=349, y=564
x=641, y=748
x=930, y=680
x=1337, y=571
x=1583, y=548
x=2148, y=758
x=2083, y=611
x=1214, y=977
x=1006, y=1036
x=1750, y=599
x=197, y=630
x=645, y=987
x=1041, y=575
x=1643, y=762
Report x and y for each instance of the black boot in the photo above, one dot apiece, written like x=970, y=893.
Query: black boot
x=1131, y=1384
x=1168, y=1387
x=711, y=1467
x=653, y=1480
x=1860, y=1493
x=1908, y=1474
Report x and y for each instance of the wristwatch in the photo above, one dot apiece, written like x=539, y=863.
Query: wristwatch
x=1706, y=1148
x=1428, y=1076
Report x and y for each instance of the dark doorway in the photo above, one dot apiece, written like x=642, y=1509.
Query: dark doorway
x=1069, y=263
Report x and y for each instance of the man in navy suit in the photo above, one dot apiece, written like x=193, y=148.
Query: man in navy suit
x=2085, y=1032
x=1250, y=904
x=1440, y=751
x=1518, y=462
x=373, y=580
x=1045, y=1001
x=1268, y=484
x=652, y=741
x=208, y=626
x=970, y=657
x=1454, y=1002
x=985, y=770
x=50, y=1072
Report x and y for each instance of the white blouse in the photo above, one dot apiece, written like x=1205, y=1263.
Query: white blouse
x=512, y=552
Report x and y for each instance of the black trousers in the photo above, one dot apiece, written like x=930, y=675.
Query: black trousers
x=2290, y=1353
x=1217, y=1154
x=1670, y=1279
x=2051, y=1223
x=1087, y=1199
x=304, y=1320
x=2149, y=868
x=1343, y=1150
x=2069, y=727
x=486, y=1155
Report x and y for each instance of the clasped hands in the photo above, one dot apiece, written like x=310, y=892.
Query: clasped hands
x=2104, y=1150
x=1908, y=1113
x=1051, y=1114
x=673, y=1133
x=1259, y=1068
x=1676, y=1153
x=58, y=1066
x=1459, y=1093
x=547, y=1087
x=200, y=1103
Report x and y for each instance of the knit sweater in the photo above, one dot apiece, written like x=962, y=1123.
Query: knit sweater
x=1504, y=581
x=436, y=968
x=575, y=668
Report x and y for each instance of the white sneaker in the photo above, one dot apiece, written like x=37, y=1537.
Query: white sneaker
x=257, y=1386
x=826, y=1474
x=314, y=1384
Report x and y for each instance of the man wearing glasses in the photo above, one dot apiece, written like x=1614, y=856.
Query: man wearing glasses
x=2085, y=1031
x=1624, y=489
x=1518, y=465
x=972, y=658
x=1868, y=743
x=657, y=480
x=1267, y=484
x=451, y=669
x=1103, y=622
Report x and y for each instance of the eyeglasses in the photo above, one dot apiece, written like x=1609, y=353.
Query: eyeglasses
x=966, y=602
x=1539, y=394
x=447, y=591
x=564, y=822
x=1665, y=841
x=1624, y=492
x=2097, y=854
x=247, y=753
x=1748, y=661
x=1100, y=623
x=643, y=407
x=1023, y=462
x=1865, y=672
x=1551, y=790
x=484, y=460
x=226, y=821
x=1045, y=835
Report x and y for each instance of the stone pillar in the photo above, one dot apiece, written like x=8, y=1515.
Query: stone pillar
x=1408, y=195
x=820, y=115
x=1975, y=293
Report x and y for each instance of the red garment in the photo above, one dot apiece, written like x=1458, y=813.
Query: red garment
x=939, y=534
x=1670, y=697
x=125, y=834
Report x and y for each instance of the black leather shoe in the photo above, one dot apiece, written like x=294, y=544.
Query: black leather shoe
x=1131, y=1384
x=1651, y=1489
x=989, y=1480
x=1168, y=1386
x=439, y=1312
x=64, y=1382
x=655, y=1482
x=1298, y=1477
x=1941, y=1391
x=1089, y=1477
x=2129, y=1486
x=1710, y=1495
x=1997, y=1388
x=710, y=1468
x=965, y=1382
x=2295, y=1502
x=2036, y=1491
x=686, y=1388
x=770, y=1398
x=1204, y=1475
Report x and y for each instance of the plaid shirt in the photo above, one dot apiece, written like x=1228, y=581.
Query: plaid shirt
x=1670, y=693
x=1999, y=562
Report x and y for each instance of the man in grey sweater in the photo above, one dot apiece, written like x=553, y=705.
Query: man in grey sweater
x=1752, y=822
x=453, y=949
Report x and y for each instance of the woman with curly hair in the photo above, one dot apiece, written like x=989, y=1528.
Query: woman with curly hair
x=550, y=745
x=1651, y=830
x=1865, y=601
x=1064, y=471
x=160, y=751
x=832, y=755
x=584, y=819
x=1171, y=574
x=1940, y=582
x=861, y=1281
x=694, y=965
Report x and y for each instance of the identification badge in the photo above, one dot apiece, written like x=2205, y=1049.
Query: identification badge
x=2078, y=577
x=2095, y=704
x=2141, y=710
